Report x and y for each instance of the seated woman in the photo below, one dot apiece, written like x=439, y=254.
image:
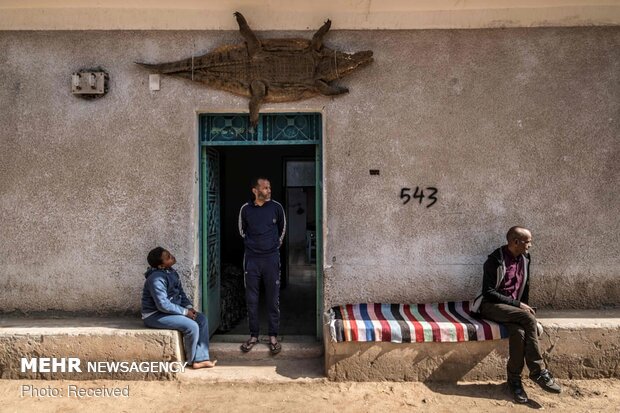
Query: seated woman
x=165, y=305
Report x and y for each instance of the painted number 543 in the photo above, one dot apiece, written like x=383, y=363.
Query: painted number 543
x=406, y=195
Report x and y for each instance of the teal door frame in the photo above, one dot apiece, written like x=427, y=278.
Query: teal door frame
x=233, y=129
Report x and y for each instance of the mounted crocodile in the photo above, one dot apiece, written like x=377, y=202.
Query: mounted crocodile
x=270, y=70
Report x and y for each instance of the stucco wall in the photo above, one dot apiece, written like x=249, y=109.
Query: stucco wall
x=515, y=126
x=512, y=127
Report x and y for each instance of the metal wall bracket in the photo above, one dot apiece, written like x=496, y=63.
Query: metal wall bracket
x=89, y=84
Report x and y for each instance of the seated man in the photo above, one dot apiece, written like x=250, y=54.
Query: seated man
x=165, y=305
x=504, y=298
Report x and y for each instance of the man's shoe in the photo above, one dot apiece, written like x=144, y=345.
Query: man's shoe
x=546, y=381
x=518, y=393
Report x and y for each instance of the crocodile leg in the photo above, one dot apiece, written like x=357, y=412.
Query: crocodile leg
x=317, y=39
x=258, y=90
x=247, y=33
x=329, y=90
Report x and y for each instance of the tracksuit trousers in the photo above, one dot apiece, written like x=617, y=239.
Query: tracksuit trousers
x=265, y=270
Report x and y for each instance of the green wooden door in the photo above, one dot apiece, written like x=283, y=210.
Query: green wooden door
x=211, y=237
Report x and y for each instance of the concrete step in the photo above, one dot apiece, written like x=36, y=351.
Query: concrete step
x=94, y=339
x=227, y=347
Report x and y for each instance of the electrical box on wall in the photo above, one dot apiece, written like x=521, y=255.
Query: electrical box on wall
x=89, y=84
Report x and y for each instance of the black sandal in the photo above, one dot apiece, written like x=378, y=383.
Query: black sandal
x=249, y=345
x=275, y=348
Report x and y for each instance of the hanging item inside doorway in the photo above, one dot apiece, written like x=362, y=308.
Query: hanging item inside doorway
x=270, y=70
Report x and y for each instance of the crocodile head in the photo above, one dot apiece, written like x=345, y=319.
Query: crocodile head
x=335, y=65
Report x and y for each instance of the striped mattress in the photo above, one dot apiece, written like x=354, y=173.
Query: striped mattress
x=411, y=323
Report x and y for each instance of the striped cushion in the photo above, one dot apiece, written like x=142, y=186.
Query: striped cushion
x=411, y=323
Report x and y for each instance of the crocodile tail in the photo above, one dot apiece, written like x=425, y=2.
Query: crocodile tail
x=169, y=68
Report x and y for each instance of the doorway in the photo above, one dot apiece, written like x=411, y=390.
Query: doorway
x=294, y=169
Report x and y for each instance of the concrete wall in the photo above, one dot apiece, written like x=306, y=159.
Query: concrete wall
x=512, y=127
x=515, y=126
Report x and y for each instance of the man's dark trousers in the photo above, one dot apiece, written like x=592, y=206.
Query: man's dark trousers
x=265, y=270
x=523, y=340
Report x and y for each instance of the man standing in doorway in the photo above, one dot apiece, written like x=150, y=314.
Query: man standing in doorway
x=504, y=298
x=262, y=224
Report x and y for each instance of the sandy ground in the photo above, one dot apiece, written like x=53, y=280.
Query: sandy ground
x=314, y=396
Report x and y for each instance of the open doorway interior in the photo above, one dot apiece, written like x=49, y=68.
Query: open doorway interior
x=283, y=165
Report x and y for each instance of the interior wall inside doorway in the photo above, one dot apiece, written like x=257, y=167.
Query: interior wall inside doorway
x=238, y=165
x=298, y=294
x=300, y=214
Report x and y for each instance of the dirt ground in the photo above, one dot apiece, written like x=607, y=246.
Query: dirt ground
x=314, y=396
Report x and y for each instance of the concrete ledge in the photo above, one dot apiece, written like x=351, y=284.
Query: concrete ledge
x=90, y=339
x=576, y=344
